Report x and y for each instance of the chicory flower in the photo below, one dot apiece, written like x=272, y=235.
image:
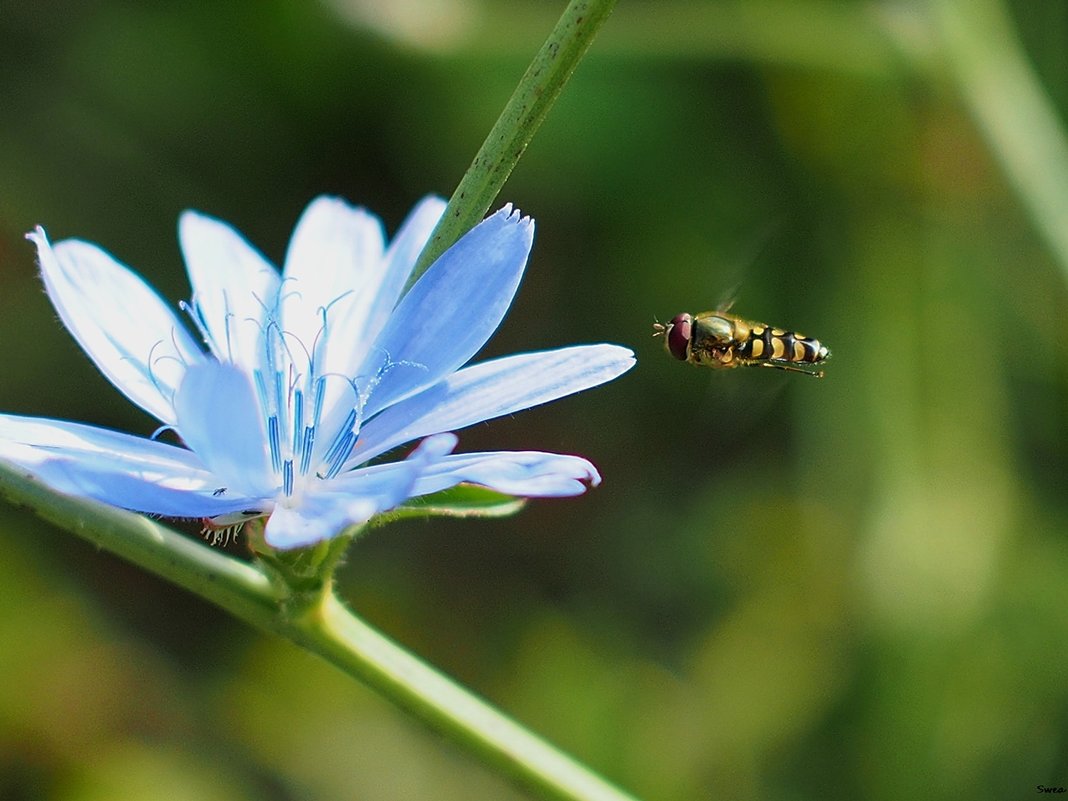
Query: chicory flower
x=309, y=375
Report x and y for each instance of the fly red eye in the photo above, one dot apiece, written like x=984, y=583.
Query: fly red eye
x=678, y=335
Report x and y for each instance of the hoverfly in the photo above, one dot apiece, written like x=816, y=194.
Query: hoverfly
x=721, y=340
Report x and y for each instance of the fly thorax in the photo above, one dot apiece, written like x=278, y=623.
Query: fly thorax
x=713, y=327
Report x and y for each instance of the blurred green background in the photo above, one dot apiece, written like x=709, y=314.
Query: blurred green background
x=785, y=588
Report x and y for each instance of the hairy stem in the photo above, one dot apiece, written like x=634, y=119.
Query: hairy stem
x=522, y=115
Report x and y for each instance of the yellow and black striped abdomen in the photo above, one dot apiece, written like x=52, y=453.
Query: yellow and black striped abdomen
x=766, y=344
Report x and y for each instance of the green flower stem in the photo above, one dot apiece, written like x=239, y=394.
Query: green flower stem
x=235, y=586
x=530, y=102
x=323, y=626
x=1010, y=109
x=869, y=40
x=335, y=633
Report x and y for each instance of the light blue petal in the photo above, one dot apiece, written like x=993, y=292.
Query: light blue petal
x=400, y=260
x=136, y=492
x=220, y=419
x=121, y=323
x=451, y=311
x=77, y=439
x=491, y=389
x=329, y=507
x=134, y=473
x=334, y=266
x=319, y=516
x=529, y=474
x=233, y=287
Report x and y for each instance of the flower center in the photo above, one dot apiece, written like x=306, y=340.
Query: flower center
x=312, y=419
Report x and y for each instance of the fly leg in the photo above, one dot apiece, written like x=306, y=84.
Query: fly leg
x=792, y=368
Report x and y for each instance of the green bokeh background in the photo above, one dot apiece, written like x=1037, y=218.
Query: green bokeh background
x=785, y=588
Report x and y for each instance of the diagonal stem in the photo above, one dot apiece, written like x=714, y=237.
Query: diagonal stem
x=322, y=625
x=508, y=139
x=336, y=634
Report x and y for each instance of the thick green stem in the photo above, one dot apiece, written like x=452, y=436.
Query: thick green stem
x=322, y=625
x=530, y=102
x=235, y=586
x=343, y=639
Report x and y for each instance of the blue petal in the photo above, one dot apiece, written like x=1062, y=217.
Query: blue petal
x=333, y=269
x=330, y=507
x=133, y=473
x=220, y=419
x=452, y=310
x=319, y=516
x=491, y=389
x=233, y=287
x=138, y=493
x=523, y=473
x=121, y=323
x=77, y=440
x=400, y=259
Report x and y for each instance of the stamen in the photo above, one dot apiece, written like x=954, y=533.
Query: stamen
x=269, y=333
x=339, y=453
x=229, y=319
x=306, y=450
x=343, y=438
x=261, y=391
x=277, y=358
x=308, y=360
x=320, y=394
x=280, y=405
x=196, y=316
x=298, y=421
x=287, y=477
x=151, y=368
x=372, y=382
x=274, y=441
x=320, y=336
